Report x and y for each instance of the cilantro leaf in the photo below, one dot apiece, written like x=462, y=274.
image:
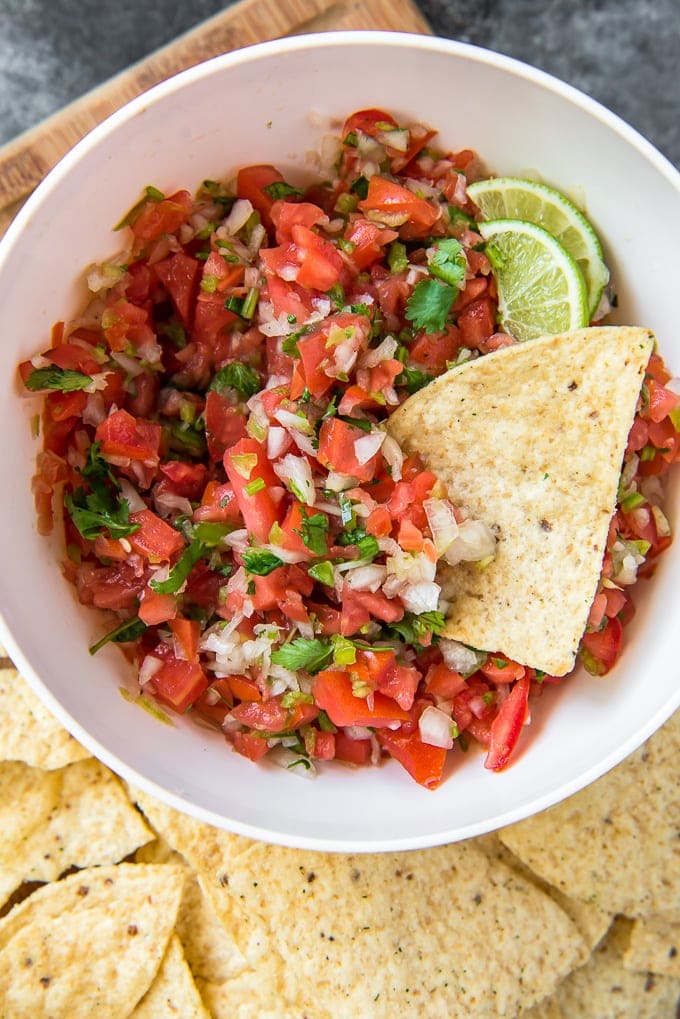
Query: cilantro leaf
x=63, y=379
x=239, y=376
x=96, y=467
x=180, y=571
x=279, y=189
x=260, y=561
x=99, y=510
x=418, y=629
x=303, y=653
x=448, y=261
x=413, y=379
x=313, y=532
x=429, y=305
x=127, y=631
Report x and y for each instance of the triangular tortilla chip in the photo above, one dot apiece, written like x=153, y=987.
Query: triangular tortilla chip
x=531, y=439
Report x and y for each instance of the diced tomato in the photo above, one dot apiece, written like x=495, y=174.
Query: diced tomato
x=369, y=241
x=122, y=435
x=155, y=539
x=386, y=674
x=500, y=669
x=259, y=508
x=397, y=206
x=179, y=683
x=62, y=406
x=156, y=608
x=125, y=323
x=244, y=689
x=157, y=218
x=225, y=424
x=251, y=182
x=332, y=692
x=337, y=450
x=423, y=762
x=213, y=323
x=187, y=479
x=286, y=215
x=661, y=401
x=444, y=682
x=320, y=264
x=359, y=606
x=507, y=725
x=180, y=274
x=218, y=504
x=604, y=646
x=114, y=587
x=186, y=634
x=291, y=536
x=265, y=716
x=370, y=122
x=476, y=323
x=354, y=751
x=74, y=357
x=434, y=350
x=142, y=399
x=324, y=746
x=288, y=298
x=379, y=522
x=250, y=745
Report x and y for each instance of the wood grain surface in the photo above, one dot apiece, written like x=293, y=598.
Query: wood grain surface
x=25, y=160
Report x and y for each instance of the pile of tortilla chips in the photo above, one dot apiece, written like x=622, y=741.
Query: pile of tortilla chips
x=114, y=905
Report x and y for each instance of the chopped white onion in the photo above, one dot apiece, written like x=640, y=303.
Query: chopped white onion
x=278, y=441
x=238, y=540
x=294, y=422
x=366, y=578
x=94, y=411
x=239, y=214
x=134, y=499
x=422, y=597
x=148, y=669
x=459, y=657
x=375, y=355
x=394, y=457
x=357, y=732
x=368, y=445
x=296, y=474
x=435, y=728
x=167, y=503
x=339, y=482
x=442, y=522
x=475, y=541
x=292, y=762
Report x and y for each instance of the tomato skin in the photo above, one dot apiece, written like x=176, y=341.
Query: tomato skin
x=180, y=274
x=359, y=606
x=286, y=215
x=507, y=725
x=264, y=716
x=186, y=479
x=250, y=184
x=386, y=198
x=157, y=218
x=260, y=510
x=249, y=745
x=434, y=350
x=499, y=669
x=74, y=358
x=122, y=435
x=367, y=122
x=332, y=692
x=476, y=323
x=218, y=504
x=186, y=634
x=604, y=646
x=336, y=450
x=353, y=751
x=444, y=682
x=244, y=689
x=369, y=241
x=423, y=762
x=225, y=424
x=177, y=684
x=155, y=540
x=156, y=608
x=212, y=323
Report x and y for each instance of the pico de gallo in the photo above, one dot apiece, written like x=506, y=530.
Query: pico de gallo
x=213, y=437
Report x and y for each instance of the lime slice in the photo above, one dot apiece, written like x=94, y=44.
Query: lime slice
x=514, y=198
x=540, y=287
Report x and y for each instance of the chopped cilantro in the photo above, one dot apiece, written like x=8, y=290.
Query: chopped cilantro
x=63, y=379
x=313, y=532
x=279, y=189
x=413, y=379
x=448, y=261
x=180, y=571
x=360, y=185
x=429, y=305
x=312, y=655
x=130, y=630
x=260, y=561
x=417, y=629
x=238, y=376
x=100, y=510
x=96, y=467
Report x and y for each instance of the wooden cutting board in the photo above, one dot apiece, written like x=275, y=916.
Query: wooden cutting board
x=25, y=161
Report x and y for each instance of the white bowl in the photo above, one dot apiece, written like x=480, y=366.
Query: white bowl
x=254, y=106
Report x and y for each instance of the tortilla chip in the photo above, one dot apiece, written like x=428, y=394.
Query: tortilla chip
x=28, y=732
x=209, y=947
x=89, y=945
x=250, y=997
x=604, y=989
x=615, y=843
x=530, y=439
x=212, y=852
x=591, y=920
x=654, y=945
x=173, y=993
x=434, y=932
x=78, y=816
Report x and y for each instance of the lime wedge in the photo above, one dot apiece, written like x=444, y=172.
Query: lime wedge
x=514, y=198
x=540, y=287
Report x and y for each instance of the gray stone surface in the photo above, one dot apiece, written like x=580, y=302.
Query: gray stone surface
x=626, y=53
